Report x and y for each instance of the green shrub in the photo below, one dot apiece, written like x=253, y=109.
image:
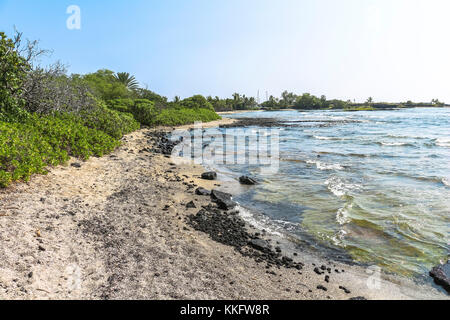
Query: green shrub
x=196, y=102
x=112, y=122
x=121, y=105
x=142, y=110
x=29, y=147
x=181, y=116
x=13, y=71
x=106, y=86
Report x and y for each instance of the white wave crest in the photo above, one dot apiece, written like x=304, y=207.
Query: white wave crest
x=325, y=166
x=394, y=144
x=342, y=216
x=339, y=187
x=443, y=142
x=339, y=237
x=446, y=181
x=324, y=138
x=260, y=223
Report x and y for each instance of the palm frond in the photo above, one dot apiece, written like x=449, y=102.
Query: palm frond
x=128, y=80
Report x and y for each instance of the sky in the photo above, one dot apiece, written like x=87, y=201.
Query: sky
x=391, y=50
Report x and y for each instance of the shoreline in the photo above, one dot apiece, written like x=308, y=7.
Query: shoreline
x=116, y=228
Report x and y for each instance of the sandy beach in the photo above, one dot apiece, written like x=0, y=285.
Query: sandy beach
x=117, y=227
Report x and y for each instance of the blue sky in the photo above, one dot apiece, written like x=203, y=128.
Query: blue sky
x=392, y=50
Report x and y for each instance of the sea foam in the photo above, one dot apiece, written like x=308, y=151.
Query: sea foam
x=325, y=166
x=443, y=142
x=339, y=187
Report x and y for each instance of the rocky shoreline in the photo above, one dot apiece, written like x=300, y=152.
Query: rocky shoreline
x=272, y=122
x=133, y=225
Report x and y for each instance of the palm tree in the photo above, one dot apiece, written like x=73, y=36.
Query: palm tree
x=128, y=80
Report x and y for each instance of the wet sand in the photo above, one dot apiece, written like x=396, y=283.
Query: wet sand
x=117, y=228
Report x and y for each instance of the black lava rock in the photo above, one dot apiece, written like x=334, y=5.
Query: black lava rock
x=191, y=205
x=259, y=244
x=76, y=165
x=345, y=289
x=202, y=192
x=317, y=270
x=209, y=175
x=226, y=204
x=223, y=200
x=357, y=298
x=215, y=195
x=441, y=275
x=247, y=181
x=231, y=230
x=163, y=144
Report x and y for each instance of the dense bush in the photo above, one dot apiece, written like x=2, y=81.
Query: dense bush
x=29, y=147
x=105, y=85
x=143, y=110
x=122, y=105
x=152, y=96
x=181, y=116
x=196, y=102
x=52, y=90
x=13, y=71
x=114, y=123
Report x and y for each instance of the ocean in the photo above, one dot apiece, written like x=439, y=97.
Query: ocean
x=374, y=185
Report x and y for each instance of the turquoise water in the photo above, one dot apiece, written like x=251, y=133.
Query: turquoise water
x=374, y=184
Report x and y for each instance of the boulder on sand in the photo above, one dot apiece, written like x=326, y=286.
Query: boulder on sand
x=441, y=275
x=209, y=175
x=191, y=205
x=247, y=181
x=259, y=244
x=223, y=200
x=202, y=192
x=215, y=195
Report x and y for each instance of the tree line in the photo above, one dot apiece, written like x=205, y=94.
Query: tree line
x=307, y=101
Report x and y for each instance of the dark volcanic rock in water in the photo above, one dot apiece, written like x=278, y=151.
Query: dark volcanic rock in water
x=247, y=181
x=209, y=175
x=441, y=275
x=272, y=122
x=202, y=192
